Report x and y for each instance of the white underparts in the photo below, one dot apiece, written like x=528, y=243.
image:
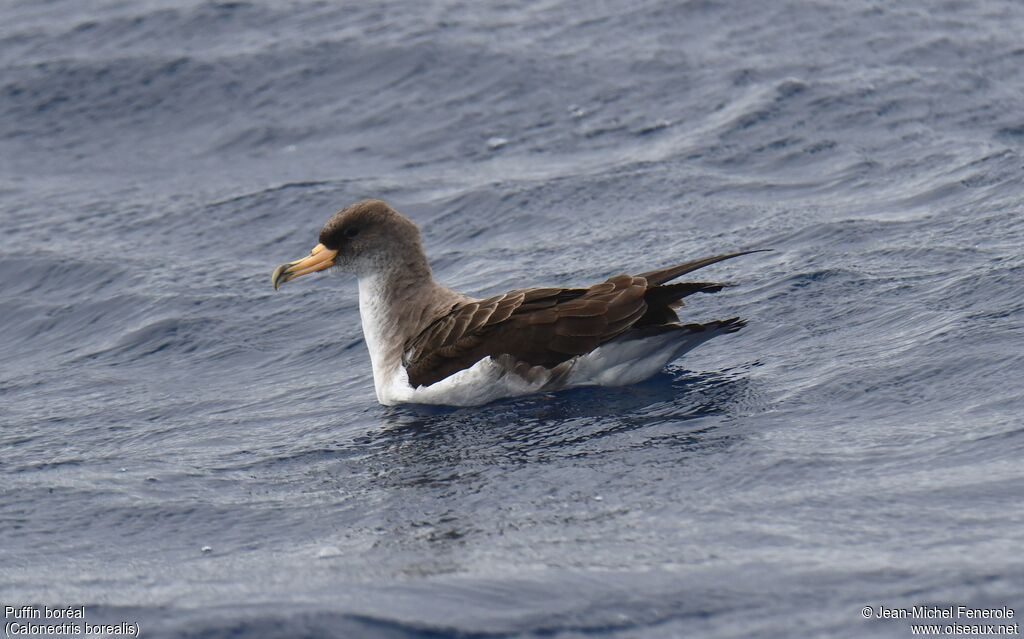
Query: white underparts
x=617, y=363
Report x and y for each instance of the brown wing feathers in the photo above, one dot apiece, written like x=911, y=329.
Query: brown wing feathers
x=545, y=327
x=662, y=301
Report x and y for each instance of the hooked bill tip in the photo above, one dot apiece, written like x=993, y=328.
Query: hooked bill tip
x=278, y=278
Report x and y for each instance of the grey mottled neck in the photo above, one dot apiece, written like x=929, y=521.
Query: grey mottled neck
x=395, y=306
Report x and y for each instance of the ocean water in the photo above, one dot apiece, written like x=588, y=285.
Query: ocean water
x=185, y=449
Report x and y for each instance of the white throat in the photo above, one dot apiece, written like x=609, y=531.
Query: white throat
x=380, y=331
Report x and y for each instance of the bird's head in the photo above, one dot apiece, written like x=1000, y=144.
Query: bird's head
x=366, y=238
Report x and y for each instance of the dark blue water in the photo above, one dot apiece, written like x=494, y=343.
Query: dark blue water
x=860, y=443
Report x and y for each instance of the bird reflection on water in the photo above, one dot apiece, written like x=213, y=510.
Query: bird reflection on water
x=453, y=478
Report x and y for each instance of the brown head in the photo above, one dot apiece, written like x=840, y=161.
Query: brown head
x=367, y=238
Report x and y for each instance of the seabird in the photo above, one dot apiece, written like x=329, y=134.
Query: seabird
x=431, y=345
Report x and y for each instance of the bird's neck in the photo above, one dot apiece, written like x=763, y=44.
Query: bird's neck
x=394, y=307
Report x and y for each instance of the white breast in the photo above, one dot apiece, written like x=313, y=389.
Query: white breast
x=379, y=333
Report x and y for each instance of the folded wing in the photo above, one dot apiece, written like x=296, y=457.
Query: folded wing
x=548, y=326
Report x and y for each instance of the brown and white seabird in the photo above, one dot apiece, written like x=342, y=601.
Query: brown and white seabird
x=431, y=345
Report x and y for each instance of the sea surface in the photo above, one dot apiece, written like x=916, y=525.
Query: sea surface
x=183, y=448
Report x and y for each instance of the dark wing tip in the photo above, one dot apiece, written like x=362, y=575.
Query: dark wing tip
x=731, y=325
x=660, y=276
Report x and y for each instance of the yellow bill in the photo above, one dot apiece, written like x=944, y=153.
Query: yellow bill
x=318, y=259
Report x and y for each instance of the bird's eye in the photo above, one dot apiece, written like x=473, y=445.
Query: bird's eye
x=350, y=232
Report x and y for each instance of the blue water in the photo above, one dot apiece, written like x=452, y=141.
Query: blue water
x=859, y=443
